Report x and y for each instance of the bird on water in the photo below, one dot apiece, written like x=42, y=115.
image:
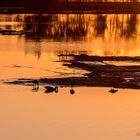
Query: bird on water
x=49, y=89
x=35, y=84
x=113, y=90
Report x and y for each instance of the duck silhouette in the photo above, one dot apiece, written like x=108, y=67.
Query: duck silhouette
x=49, y=89
x=72, y=91
x=113, y=90
x=35, y=84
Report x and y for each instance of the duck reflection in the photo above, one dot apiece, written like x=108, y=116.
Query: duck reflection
x=35, y=86
x=35, y=89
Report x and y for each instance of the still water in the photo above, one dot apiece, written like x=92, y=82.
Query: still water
x=30, y=44
x=29, y=48
x=91, y=113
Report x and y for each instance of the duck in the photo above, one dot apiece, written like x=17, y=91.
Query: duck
x=72, y=91
x=113, y=90
x=35, y=84
x=49, y=89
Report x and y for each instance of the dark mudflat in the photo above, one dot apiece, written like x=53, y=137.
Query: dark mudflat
x=105, y=75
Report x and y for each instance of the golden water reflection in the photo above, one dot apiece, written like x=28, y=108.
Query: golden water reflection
x=91, y=113
x=34, y=41
x=72, y=26
x=92, y=34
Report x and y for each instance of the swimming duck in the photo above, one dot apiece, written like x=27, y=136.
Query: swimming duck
x=51, y=89
x=113, y=90
x=72, y=91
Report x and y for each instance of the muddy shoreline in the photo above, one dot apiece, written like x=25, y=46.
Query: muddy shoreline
x=99, y=74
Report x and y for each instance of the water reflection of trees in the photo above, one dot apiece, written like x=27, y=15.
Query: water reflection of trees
x=124, y=26
x=76, y=27
x=48, y=26
x=100, y=25
x=35, y=50
x=131, y=29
